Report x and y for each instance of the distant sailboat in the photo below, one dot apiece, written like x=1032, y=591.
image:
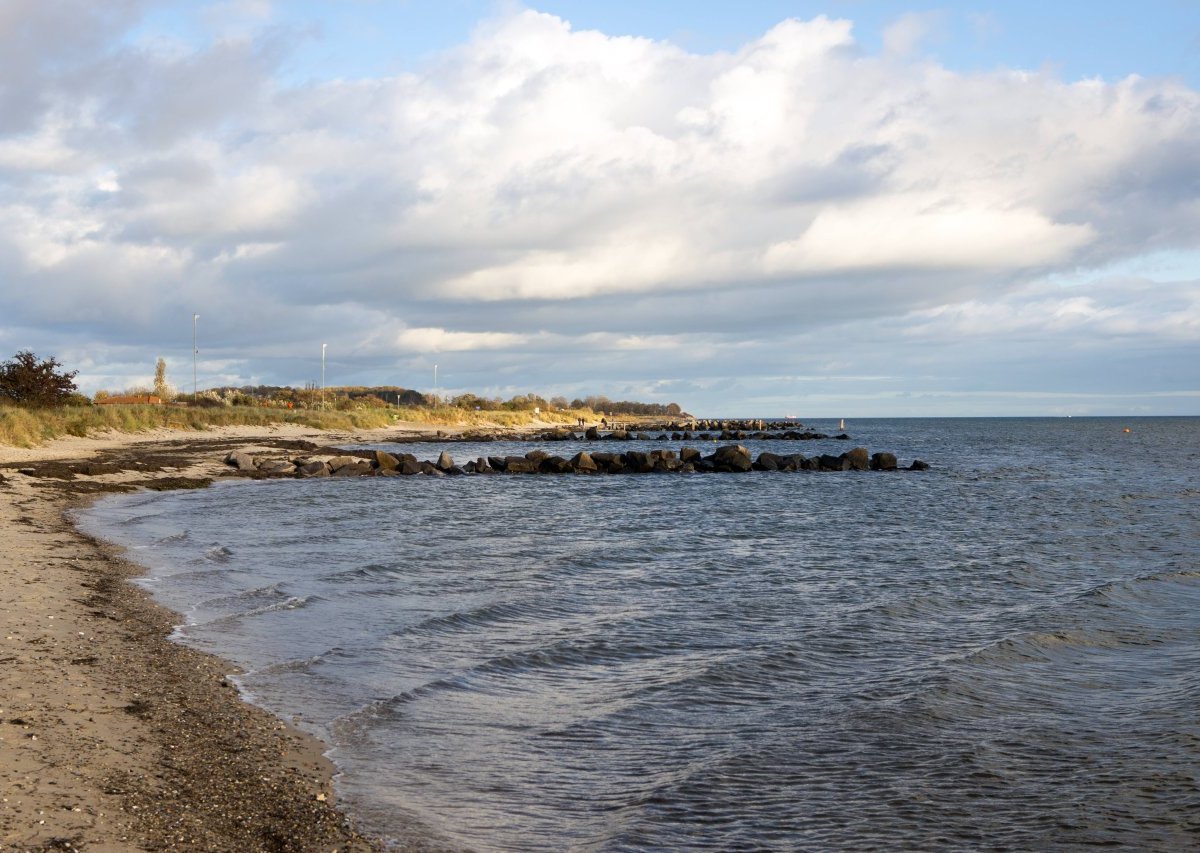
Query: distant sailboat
x=842, y=423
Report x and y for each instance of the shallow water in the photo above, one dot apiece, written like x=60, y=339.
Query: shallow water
x=1002, y=652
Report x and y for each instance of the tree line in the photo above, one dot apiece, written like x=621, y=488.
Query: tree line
x=27, y=380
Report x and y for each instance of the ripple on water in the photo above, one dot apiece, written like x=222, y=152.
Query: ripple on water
x=1002, y=655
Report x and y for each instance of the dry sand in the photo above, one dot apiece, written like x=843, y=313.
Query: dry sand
x=111, y=736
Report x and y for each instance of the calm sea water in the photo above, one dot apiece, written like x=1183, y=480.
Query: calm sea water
x=1000, y=653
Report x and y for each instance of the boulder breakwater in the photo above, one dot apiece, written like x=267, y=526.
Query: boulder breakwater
x=668, y=431
x=726, y=459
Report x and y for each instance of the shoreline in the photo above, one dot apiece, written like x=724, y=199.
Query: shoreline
x=113, y=736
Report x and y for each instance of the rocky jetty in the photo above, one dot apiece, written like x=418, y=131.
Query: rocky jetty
x=729, y=458
x=660, y=432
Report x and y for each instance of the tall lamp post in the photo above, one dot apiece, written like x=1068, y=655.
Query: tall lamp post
x=195, y=317
x=323, y=376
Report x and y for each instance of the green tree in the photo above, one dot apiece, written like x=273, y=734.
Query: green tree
x=27, y=381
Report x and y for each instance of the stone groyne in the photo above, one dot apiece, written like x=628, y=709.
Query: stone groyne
x=708, y=430
x=730, y=458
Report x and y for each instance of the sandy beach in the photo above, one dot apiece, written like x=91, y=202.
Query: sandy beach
x=112, y=737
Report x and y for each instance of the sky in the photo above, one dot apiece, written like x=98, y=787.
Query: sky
x=838, y=209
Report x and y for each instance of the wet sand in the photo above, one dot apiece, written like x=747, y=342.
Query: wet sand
x=112, y=737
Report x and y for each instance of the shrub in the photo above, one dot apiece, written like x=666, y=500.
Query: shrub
x=26, y=381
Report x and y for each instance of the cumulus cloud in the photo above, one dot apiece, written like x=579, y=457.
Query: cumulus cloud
x=541, y=184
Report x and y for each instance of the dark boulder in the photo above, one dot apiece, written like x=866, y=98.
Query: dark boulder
x=883, y=461
x=858, y=459
x=918, y=465
x=592, y=434
x=554, y=465
x=732, y=457
x=767, y=462
x=639, y=462
x=827, y=462
x=315, y=468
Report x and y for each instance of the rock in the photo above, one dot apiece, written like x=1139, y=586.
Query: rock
x=339, y=462
x=732, y=457
x=583, y=463
x=638, y=462
x=445, y=461
x=315, y=468
x=536, y=456
x=619, y=435
x=386, y=461
x=883, y=462
x=242, y=460
x=858, y=459
x=554, y=465
x=276, y=466
x=431, y=470
x=519, y=465
x=767, y=462
x=608, y=462
x=689, y=454
x=592, y=434
x=826, y=462
x=355, y=468
x=410, y=466
x=918, y=465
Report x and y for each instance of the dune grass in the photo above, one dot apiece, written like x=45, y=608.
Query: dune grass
x=21, y=427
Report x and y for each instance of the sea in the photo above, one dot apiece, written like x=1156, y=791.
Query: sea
x=999, y=653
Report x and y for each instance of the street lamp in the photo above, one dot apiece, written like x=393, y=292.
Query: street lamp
x=323, y=376
x=195, y=317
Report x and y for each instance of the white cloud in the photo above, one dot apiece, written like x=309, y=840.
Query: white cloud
x=429, y=340
x=541, y=186
x=926, y=231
